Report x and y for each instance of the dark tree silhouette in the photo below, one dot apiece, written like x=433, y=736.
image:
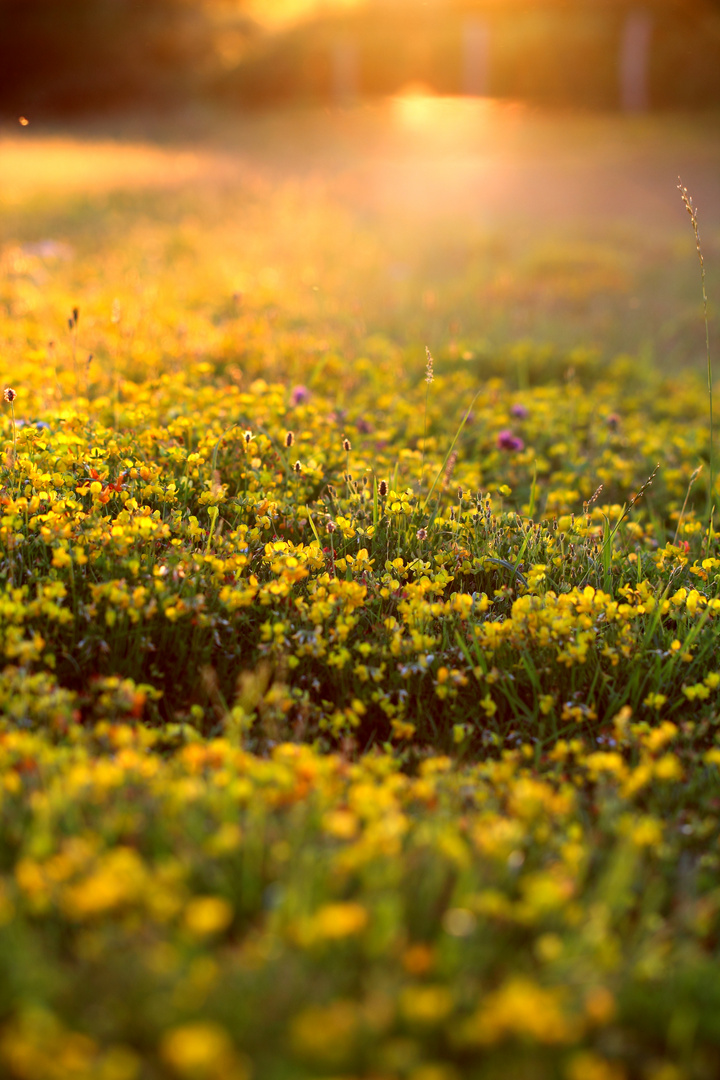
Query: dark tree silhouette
x=60, y=56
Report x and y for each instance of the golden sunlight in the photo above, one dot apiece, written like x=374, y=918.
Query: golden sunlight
x=64, y=164
x=444, y=118
x=282, y=12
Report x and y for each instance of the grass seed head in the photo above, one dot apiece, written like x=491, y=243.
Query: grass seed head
x=429, y=376
x=593, y=498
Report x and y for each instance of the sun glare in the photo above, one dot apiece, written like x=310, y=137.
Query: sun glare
x=281, y=12
x=416, y=107
x=438, y=117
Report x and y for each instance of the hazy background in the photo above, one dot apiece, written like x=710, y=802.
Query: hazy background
x=59, y=57
x=481, y=176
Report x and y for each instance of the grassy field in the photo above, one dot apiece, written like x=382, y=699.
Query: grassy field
x=359, y=692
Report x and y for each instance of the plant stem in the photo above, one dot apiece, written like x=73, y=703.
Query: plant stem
x=452, y=447
x=429, y=377
x=692, y=211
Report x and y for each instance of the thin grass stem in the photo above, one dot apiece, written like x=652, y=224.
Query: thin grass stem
x=692, y=211
x=428, y=379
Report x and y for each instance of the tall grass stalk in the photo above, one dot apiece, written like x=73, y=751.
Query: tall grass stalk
x=429, y=376
x=72, y=327
x=10, y=396
x=441, y=471
x=693, y=478
x=692, y=211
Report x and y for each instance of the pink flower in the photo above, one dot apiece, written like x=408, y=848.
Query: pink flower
x=299, y=395
x=507, y=441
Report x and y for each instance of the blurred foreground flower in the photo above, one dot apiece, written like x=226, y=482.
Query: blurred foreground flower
x=299, y=395
x=507, y=441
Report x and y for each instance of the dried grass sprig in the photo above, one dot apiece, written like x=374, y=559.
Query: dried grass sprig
x=692, y=211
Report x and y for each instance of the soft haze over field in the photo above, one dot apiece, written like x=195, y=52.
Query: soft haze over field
x=456, y=223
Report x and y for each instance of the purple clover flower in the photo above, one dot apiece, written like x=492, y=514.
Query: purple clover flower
x=507, y=441
x=299, y=395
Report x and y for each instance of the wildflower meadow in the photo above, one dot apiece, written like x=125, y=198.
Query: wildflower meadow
x=359, y=687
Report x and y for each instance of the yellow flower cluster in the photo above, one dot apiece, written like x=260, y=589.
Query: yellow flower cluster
x=157, y=549
x=226, y=896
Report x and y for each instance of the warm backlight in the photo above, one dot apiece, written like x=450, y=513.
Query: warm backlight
x=280, y=12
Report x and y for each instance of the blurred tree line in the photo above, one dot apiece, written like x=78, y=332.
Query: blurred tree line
x=551, y=52
x=59, y=57
x=64, y=56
